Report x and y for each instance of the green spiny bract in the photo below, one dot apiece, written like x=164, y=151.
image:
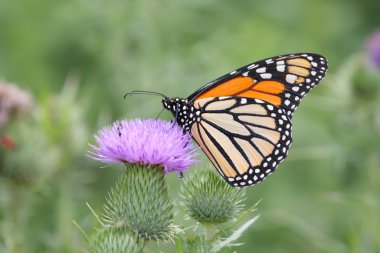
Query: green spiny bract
x=114, y=241
x=210, y=200
x=140, y=204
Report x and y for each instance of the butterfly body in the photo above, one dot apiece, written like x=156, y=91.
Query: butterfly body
x=184, y=112
x=242, y=120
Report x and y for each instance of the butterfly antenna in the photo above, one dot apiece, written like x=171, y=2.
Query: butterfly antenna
x=136, y=92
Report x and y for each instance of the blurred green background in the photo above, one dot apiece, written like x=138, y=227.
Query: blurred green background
x=78, y=57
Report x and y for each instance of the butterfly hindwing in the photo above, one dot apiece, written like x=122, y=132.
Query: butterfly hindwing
x=244, y=138
x=282, y=80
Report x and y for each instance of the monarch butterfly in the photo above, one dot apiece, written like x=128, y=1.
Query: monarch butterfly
x=242, y=120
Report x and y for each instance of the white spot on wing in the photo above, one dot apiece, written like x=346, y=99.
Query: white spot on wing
x=266, y=75
x=269, y=61
x=295, y=88
x=291, y=78
x=261, y=70
x=281, y=68
x=252, y=66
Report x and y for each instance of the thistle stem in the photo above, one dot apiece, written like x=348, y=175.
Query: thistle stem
x=211, y=231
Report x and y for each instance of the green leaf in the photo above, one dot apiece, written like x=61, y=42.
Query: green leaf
x=178, y=245
x=244, y=215
x=234, y=236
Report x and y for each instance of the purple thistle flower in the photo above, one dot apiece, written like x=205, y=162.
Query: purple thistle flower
x=373, y=49
x=147, y=142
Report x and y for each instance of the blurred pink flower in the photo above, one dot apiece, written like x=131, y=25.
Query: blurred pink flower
x=7, y=142
x=147, y=142
x=12, y=100
x=373, y=49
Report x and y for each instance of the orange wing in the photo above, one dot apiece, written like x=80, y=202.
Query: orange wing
x=282, y=81
x=248, y=87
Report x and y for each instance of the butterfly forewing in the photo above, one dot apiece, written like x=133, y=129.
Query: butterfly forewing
x=244, y=138
x=281, y=81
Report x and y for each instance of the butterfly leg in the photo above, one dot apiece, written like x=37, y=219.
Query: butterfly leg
x=119, y=128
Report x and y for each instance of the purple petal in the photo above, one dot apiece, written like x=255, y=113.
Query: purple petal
x=148, y=142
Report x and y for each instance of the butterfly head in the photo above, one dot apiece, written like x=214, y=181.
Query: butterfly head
x=174, y=104
x=181, y=110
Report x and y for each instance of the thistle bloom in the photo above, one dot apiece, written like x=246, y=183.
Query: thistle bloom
x=373, y=49
x=146, y=142
x=140, y=203
x=12, y=101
